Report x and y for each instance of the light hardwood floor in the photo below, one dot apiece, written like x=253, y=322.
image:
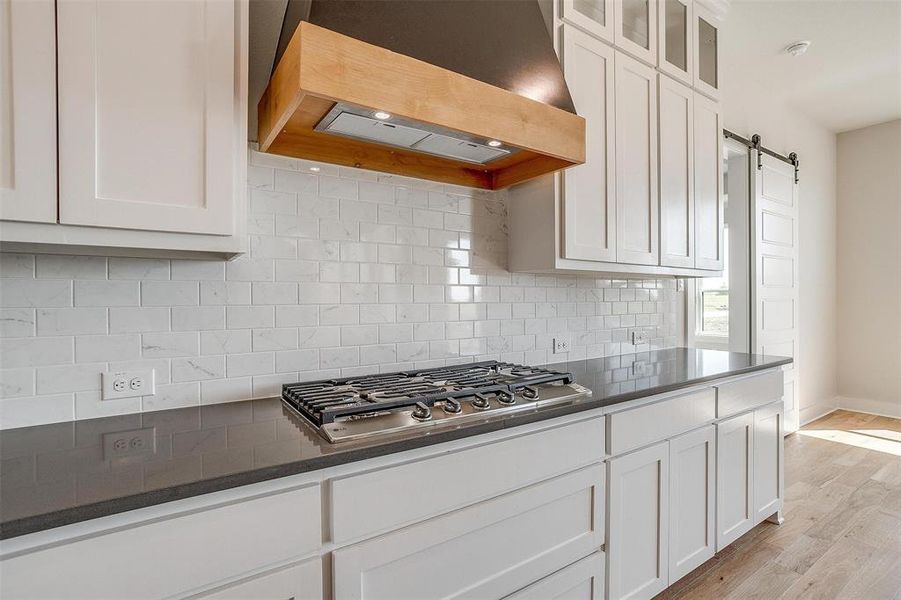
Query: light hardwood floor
x=842, y=532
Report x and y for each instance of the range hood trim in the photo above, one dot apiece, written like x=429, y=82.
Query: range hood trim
x=321, y=67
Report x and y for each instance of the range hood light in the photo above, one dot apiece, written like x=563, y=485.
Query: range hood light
x=315, y=169
x=382, y=116
x=494, y=143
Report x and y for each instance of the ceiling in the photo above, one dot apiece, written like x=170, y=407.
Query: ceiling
x=849, y=78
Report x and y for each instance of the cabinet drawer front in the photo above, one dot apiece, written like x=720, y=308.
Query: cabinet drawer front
x=487, y=550
x=172, y=556
x=647, y=424
x=370, y=503
x=738, y=396
x=300, y=582
x=583, y=580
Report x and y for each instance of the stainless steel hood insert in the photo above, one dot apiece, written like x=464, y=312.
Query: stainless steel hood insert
x=361, y=123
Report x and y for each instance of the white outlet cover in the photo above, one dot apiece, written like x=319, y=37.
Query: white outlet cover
x=562, y=344
x=131, y=384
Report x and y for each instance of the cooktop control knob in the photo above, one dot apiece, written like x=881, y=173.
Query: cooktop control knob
x=452, y=406
x=506, y=398
x=529, y=393
x=422, y=412
x=480, y=402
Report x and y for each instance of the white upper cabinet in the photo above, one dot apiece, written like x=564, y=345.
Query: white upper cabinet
x=636, y=162
x=588, y=194
x=28, y=111
x=675, y=49
x=147, y=109
x=635, y=28
x=677, y=207
x=706, y=58
x=708, y=184
x=594, y=16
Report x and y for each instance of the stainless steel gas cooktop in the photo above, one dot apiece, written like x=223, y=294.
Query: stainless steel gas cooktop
x=357, y=407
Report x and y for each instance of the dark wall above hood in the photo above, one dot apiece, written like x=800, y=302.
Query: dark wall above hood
x=501, y=42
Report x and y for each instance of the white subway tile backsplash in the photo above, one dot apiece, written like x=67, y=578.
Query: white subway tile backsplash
x=349, y=272
x=135, y=320
x=198, y=368
x=16, y=265
x=35, y=352
x=51, y=266
x=197, y=318
x=17, y=322
x=97, y=348
x=168, y=345
x=138, y=268
x=41, y=294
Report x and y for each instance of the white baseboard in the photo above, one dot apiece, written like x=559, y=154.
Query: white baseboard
x=882, y=408
x=817, y=411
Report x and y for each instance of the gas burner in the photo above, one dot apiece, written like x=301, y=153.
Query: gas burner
x=355, y=407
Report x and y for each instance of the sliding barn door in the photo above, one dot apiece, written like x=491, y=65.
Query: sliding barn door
x=775, y=271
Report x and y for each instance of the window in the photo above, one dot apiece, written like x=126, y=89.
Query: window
x=712, y=300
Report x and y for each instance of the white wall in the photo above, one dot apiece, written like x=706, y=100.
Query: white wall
x=869, y=269
x=750, y=107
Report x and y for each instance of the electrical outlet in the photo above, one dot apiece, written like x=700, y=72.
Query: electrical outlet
x=561, y=344
x=128, y=384
x=639, y=336
x=134, y=442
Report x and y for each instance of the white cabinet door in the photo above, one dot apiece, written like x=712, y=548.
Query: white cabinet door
x=594, y=16
x=487, y=550
x=637, y=523
x=148, y=114
x=583, y=580
x=768, y=466
x=675, y=48
x=708, y=184
x=734, y=470
x=677, y=207
x=636, y=162
x=589, y=196
x=27, y=111
x=706, y=60
x=635, y=28
x=692, y=501
x=300, y=582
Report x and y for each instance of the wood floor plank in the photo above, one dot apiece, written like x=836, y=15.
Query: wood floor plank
x=842, y=532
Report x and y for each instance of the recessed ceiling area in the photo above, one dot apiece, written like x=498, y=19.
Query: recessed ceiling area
x=849, y=78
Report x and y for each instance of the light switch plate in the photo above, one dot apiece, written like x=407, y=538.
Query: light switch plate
x=128, y=384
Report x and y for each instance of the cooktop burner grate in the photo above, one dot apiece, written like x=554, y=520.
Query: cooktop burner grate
x=325, y=401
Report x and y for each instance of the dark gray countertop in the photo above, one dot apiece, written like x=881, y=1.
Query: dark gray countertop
x=57, y=474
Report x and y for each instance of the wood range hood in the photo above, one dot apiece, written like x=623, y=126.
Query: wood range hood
x=347, y=90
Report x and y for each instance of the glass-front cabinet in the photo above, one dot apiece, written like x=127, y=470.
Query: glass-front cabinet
x=594, y=16
x=706, y=52
x=675, y=48
x=635, y=28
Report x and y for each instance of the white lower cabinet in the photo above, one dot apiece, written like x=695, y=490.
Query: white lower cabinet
x=692, y=500
x=768, y=466
x=487, y=550
x=637, y=522
x=734, y=467
x=298, y=582
x=583, y=580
